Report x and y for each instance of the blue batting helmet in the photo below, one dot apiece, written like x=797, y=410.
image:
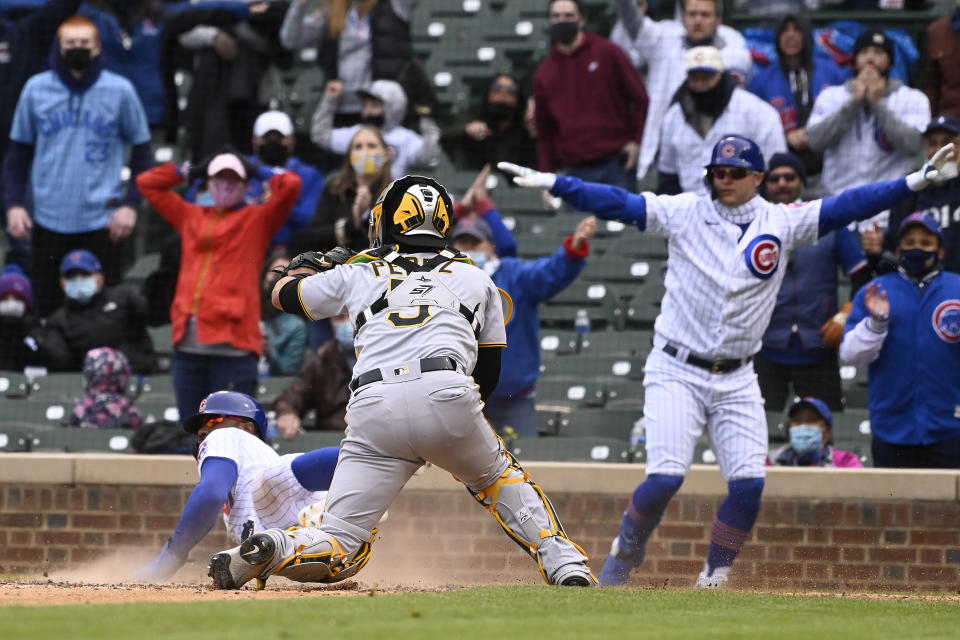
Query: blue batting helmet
x=737, y=151
x=228, y=403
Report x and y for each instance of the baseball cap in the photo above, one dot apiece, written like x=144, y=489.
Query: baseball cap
x=473, y=227
x=273, y=121
x=874, y=38
x=923, y=219
x=945, y=122
x=704, y=59
x=816, y=404
x=80, y=260
x=224, y=162
x=13, y=280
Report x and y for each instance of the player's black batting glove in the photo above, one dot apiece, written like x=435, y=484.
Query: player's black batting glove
x=318, y=262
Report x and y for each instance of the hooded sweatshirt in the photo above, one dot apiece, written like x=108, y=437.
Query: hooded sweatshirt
x=792, y=92
x=409, y=146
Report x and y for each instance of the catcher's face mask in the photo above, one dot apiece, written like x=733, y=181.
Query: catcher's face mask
x=411, y=210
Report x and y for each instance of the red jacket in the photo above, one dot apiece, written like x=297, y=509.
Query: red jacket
x=222, y=255
x=588, y=104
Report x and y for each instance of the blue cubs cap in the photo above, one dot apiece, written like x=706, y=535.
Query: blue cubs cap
x=944, y=122
x=80, y=260
x=923, y=219
x=473, y=227
x=816, y=404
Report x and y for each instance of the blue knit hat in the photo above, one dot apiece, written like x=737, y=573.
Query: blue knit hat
x=13, y=280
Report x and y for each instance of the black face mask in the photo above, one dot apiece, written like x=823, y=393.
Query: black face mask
x=564, y=32
x=917, y=262
x=374, y=121
x=77, y=59
x=709, y=101
x=497, y=111
x=274, y=154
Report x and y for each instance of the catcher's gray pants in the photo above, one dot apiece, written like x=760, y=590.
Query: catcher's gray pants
x=397, y=424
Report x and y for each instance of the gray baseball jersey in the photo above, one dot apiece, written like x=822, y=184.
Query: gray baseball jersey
x=423, y=323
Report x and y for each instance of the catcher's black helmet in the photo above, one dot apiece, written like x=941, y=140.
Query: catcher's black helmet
x=413, y=211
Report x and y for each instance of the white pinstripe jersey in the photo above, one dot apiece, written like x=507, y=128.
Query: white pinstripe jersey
x=423, y=327
x=266, y=490
x=722, y=282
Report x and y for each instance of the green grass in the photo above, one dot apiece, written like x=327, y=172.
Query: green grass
x=490, y=613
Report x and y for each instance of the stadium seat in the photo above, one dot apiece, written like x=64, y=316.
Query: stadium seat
x=640, y=246
x=13, y=384
x=599, y=423
x=569, y=393
x=777, y=427
x=703, y=453
x=851, y=424
x=307, y=441
x=162, y=338
x=623, y=394
x=625, y=343
x=643, y=307
x=270, y=388
x=554, y=342
x=158, y=406
x=570, y=449
x=79, y=440
x=15, y=438
x=579, y=367
x=42, y=411
x=141, y=268
x=599, y=300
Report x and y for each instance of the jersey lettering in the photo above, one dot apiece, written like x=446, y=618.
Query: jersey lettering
x=404, y=322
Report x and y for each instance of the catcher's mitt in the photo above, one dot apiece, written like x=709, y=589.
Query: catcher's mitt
x=317, y=261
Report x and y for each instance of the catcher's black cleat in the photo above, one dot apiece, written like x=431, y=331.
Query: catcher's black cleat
x=235, y=567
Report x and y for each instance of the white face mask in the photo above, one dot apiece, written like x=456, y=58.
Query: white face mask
x=13, y=308
x=81, y=288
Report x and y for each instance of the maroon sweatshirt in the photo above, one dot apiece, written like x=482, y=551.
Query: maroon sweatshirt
x=588, y=103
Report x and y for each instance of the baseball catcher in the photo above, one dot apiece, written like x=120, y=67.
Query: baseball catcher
x=429, y=332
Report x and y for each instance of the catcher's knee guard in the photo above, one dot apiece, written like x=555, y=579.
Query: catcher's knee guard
x=527, y=517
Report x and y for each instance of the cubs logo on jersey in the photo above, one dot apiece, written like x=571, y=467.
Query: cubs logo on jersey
x=763, y=255
x=946, y=321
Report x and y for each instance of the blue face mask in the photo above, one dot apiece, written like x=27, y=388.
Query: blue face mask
x=478, y=257
x=806, y=438
x=81, y=288
x=917, y=262
x=343, y=333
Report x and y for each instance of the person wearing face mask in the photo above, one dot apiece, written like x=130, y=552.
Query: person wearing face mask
x=384, y=107
x=340, y=217
x=528, y=283
x=710, y=104
x=811, y=425
x=92, y=316
x=285, y=336
x=495, y=133
x=591, y=104
x=17, y=349
x=216, y=308
x=69, y=139
x=941, y=200
x=906, y=326
x=870, y=127
x=321, y=385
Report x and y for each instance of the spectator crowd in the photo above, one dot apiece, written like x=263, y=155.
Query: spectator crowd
x=92, y=92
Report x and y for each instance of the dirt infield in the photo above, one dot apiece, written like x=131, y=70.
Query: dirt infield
x=44, y=592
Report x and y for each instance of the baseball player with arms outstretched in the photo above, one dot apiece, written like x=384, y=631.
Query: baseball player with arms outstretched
x=723, y=274
x=242, y=476
x=427, y=320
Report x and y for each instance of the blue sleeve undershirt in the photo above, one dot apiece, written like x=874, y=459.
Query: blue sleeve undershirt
x=505, y=242
x=860, y=203
x=217, y=477
x=314, y=469
x=604, y=200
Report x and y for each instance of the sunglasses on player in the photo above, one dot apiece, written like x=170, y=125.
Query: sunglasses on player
x=722, y=173
x=209, y=422
x=785, y=177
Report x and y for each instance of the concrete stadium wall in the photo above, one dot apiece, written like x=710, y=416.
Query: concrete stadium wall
x=818, y=529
